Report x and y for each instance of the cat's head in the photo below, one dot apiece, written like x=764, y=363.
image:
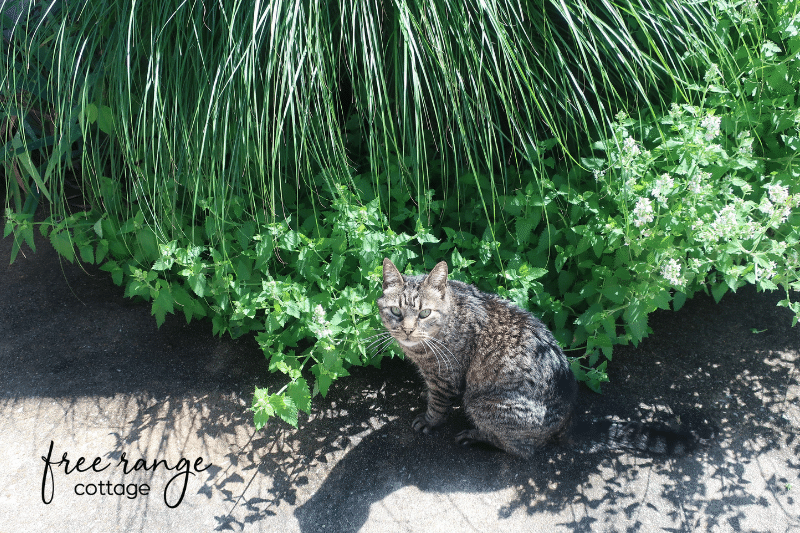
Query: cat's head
x=414, y=308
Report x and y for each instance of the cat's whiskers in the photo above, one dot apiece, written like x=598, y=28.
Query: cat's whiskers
x=436, y=355
x=443, y=346
x=379, y=334
x=376, y=342
x=380, y=343
x=443, y=349
x=382, y=347
x=377, y=339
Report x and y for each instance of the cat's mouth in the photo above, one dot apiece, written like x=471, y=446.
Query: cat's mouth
x=408, y=343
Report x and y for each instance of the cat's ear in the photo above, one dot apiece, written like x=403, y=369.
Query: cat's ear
x=437, y=279
x=391, y=276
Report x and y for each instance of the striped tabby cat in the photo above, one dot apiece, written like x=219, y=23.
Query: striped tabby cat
x=515, y=383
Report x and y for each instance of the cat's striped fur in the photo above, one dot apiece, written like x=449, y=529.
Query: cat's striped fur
x=515, y=383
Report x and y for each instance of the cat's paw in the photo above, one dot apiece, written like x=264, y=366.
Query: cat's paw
x=423, y=424
x=469, y=437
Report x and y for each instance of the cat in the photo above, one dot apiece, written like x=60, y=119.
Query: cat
x=514, y=381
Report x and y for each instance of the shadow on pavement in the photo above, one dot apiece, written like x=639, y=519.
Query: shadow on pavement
x=96, y=361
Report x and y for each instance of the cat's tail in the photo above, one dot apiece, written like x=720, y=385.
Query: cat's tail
x=647, y=437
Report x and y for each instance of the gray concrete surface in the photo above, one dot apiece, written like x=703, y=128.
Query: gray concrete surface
x=86, y=369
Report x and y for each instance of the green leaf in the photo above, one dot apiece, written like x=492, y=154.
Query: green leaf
x=285, y=408
x=102, y=251
x=300, y=394
x=294, y=308
x=719, y=291
x=260, y=417
x=9, y=225
x=116, y=271
x=614, y=292
x=587, y=319
x=98, y=227
x=148, y=245
x=244, y=269
x=598, y=247
x=457, y=261
x=90, y=113
x=525, y=227
x=678, y=300
x=25, y=230
x=262, y=409
x=662, y=299
x=62, y=242
x=284, y=362
x=162, y=304
x=324, y=379
x=163, y=263
x=603, y=341
x=636, y=318
x=290, y=240
x=198, y=284
x=87, y=253
x=105, y=120
x=184, y=300
x=580, y=374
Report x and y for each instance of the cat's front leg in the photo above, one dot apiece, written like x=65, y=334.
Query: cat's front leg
x=439, y=403
x=425, y=424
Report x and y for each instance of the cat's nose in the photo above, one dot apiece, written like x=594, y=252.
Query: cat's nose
x=406, y=330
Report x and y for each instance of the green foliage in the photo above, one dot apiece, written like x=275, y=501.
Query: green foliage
x=307, y=290
x=219, y=187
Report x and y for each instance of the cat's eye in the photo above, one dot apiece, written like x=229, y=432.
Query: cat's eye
x=396, y=311
x=425, y=313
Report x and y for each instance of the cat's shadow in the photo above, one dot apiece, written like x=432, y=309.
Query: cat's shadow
x=393, y=457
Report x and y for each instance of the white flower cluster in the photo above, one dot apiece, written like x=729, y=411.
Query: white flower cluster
x=662, y=188
x=780, y=202
x=598, y=174
x=630, y=147
x=643, y=212
x=675, y=111
x=671, y=271
x=713, y=74
x=751, y=7
x=711, y=125
x=696, y=181
x=726, y=225
x=778, y=193
x=767, y=272
x=322, y=325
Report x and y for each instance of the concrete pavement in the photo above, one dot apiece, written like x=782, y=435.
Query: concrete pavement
x=87, y=370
